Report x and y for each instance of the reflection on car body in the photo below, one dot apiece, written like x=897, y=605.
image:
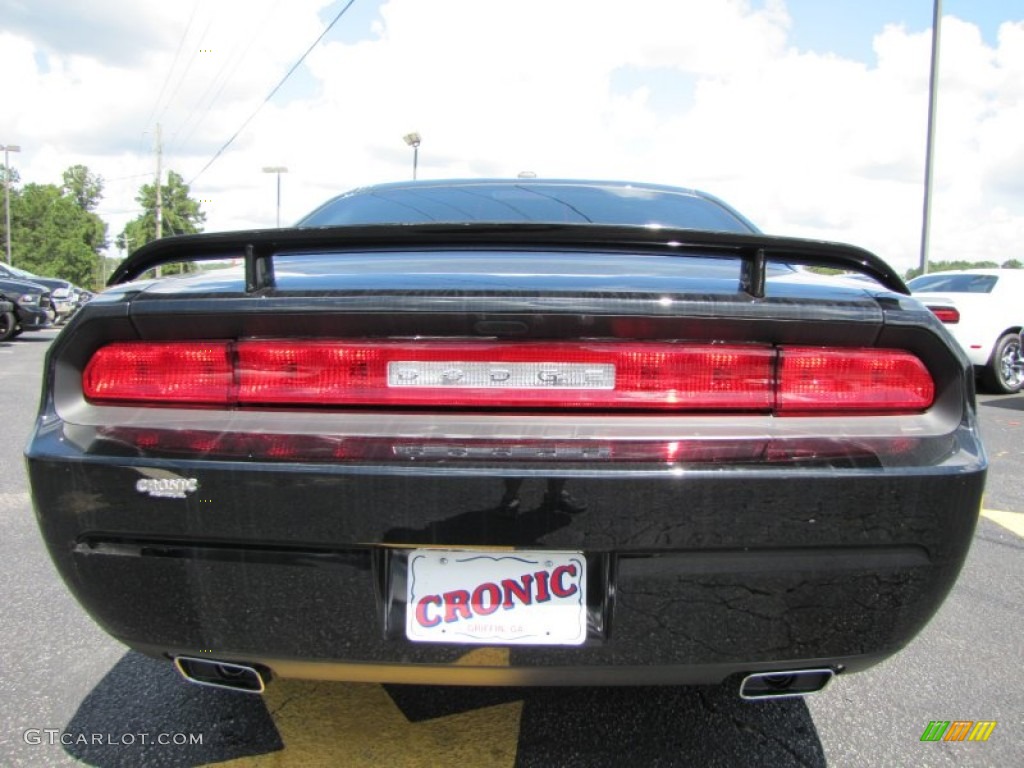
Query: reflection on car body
x=607, y=426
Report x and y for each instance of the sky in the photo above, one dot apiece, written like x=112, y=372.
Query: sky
x=810, y=117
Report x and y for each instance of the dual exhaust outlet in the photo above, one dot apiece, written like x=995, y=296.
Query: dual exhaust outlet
x=785, y=684
x=222, y=674
x=253, y=679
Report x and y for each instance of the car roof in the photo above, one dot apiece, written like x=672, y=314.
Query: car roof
x=407, y=199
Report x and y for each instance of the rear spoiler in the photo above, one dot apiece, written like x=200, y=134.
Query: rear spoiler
x=257, y=247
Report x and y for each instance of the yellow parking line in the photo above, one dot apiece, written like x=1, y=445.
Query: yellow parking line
x=357, y=724
x=1011, y=521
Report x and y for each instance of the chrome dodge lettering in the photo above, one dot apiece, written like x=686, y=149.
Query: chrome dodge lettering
x=500, y=375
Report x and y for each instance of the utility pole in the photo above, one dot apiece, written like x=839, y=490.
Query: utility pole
x=933, y=96
x=8, y=148
x=159, y=183
x=159, y=193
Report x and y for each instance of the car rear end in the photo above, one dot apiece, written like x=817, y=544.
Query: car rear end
x=620, y=459
x=32, y=304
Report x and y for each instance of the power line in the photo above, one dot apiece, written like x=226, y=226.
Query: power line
x=174, y=63
x=274, y=91
x=221, y=79
x=188, y=68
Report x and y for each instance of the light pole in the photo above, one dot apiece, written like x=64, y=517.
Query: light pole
x=929, y=158
x=7, y=194
x=278, y=169
x=413, y=140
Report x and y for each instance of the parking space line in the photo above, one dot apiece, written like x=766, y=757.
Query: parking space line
x=1011, y=521
x=358, y=724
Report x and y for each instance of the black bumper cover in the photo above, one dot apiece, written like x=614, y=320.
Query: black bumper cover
x=692, y=575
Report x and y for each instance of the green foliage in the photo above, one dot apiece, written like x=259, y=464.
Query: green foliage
x=85, y=188
x=947, y=266
x=53, y=235
x=181, y=214
x=15, y=176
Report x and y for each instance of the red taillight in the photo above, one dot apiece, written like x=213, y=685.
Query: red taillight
x=816, y=380
x=155, y=373
x=948, y=315
x=564, y=375
x=493, y=375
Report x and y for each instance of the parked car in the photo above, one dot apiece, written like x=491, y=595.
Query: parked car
x=7, y=321
x=31, y=301
x=63, y=293
x=986, y=319
x=607, y=427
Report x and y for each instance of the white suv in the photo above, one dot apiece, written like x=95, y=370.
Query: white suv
x=986, y=321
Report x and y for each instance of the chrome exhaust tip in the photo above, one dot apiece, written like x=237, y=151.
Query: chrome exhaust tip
x=785, y=684
x=222, y=674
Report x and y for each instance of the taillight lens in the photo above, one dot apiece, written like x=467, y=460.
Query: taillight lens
x=563, y=375
x=160, y=373
x=539, y=375
x=815, y=380
x=948, y=315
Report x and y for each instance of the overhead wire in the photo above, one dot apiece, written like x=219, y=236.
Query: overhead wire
x=188, y=66
x=163, y=90
x=270, y=95
x=174, y=64
x=219, y=81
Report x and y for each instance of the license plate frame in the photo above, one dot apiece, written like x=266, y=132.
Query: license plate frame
x=482, y=597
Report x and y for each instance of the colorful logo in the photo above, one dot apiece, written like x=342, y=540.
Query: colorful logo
x=958, y=730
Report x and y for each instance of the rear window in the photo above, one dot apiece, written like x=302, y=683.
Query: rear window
x=525, y=202
x=940, y=283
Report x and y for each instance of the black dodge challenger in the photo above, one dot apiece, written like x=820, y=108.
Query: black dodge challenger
x=609, y=431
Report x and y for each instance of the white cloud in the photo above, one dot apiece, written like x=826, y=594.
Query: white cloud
x=708, y=94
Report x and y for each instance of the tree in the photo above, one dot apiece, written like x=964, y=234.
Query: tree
x=54, y=232
x=181, y=215
x=52, y=236
x=15, y=176
x=84, y=187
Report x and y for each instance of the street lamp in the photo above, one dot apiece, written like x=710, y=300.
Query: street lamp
x=413, y=140
x=7, y=194
x=278, y=169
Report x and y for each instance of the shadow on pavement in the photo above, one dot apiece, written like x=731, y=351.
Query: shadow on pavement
x=593, y=727
x=1007, y=402
x=141, y=699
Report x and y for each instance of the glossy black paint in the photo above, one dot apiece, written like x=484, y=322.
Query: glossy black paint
x=709, y=570
x=809, y=542
x=258, y=248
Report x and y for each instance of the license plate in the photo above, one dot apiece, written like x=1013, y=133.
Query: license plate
x=476, y=597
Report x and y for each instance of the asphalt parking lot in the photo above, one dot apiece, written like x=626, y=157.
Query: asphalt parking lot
x=70, y=694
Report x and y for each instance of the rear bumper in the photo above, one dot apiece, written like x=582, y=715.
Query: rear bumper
x=692, y=576
x=34, y=318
